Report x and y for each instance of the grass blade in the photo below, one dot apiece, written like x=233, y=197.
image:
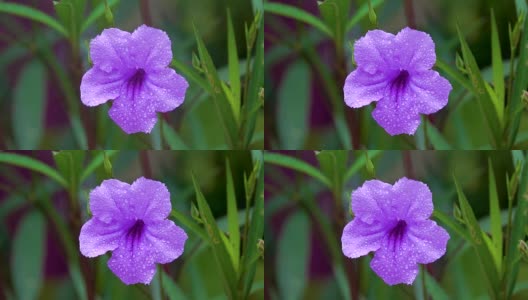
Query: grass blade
x=495, y=217
x=233, y=66
x=32, y=164
x=497, y=67
x=297, y=14
x=362, y=12
x=232, y=217
x=33, y=14
x=296, y=164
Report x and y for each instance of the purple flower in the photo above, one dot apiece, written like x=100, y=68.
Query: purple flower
x=395, y=71
x=131, y=220
x=132, y=69
x=392, y=220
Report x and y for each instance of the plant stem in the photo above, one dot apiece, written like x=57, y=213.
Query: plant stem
x=407, y=164
x=162, y=295
x=145, y=164
x=145, y=12
x=409, y=13
x=424, y=287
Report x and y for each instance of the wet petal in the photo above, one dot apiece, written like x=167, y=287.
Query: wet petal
x=133, y=264
x=109, y=50
x=98, y=86
x=429, y=240
x=149, y=200
x=362, y=88
x=395, y=265
x=396, y=113
x=151, y=48
x=133, y=112
x=416, y=50
x=373, y=51
x=412, y=200
x=360, y=238
x=371, y=201
x=168, y=89
x=96, y=237
x=108, y=201
x=167, y=240
x=431, y=91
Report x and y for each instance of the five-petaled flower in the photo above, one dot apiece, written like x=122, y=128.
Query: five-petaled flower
x=395, y=71
x=393, y=221
x=132, y=69
x=131, y=220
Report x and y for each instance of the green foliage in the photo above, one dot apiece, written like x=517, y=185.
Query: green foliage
x=29, y=106
x=27, y=263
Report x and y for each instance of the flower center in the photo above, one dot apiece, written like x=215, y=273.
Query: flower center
x=135, y=233
x=397, y=233
x=135, y=82
x=399, y=83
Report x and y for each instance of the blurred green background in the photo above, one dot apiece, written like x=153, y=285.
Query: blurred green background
x=305, y=220
x=34, y=261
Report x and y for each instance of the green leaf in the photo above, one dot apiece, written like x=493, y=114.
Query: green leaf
x=190, y=224
x=479, y=243
x=498, y=72
x=71, y=14
x=233, y=66
x=29, y=106
x=172, y=290
x=495, y=217
x=221, y=103
x=518, y=228
x=451, y=224
x=70, y=165
x=255, y=93
x=454, y=74
x=359, y=162
x=96, y=163
x=97, y=13
x=435, y=137
x=27, y=256
x=292, y=256
x=232, y=216
x=296, y=164
x=333, y=165
x=256, y=229
x=191, y=75
x=486, y=103
x=520, y=82
x=221, y=254
x=335, y=14
x=32, y=164
x=362, y=12
x=293, y=98
x=172, y=138
x=434, y=288
x=257, y=5
x=33, y=14
x=297, y=14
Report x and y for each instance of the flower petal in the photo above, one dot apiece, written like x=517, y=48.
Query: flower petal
x=395, y=265
x=416, y=50
x=371, y=201
x=359, y=238
x=149, y=200
x=98, y=86
x=133, y=264
x=133, y=112
x=429, y=239
x=96, y=237
x=431, y=91
x=151, y=48
x=373, y=51
x=396, y=113
x=168, y=88
x=412, y=200
x=167, y=240
x=109, y=50
x=361, y=88
x=108, y=201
